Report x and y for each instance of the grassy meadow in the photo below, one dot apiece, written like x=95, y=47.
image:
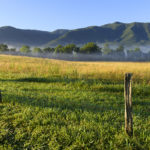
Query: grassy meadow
x=56, y=105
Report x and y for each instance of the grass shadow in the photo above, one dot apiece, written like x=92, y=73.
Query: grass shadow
x=66, y=104
x=61, y=104
x=61, y=79
x=1, y=106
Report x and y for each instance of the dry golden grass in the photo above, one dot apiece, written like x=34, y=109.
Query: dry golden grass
x=38, y=67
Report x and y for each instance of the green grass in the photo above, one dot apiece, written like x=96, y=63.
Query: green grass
x=42, y=112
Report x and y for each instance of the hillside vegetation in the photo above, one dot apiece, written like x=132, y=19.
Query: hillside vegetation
x=116, y=33
x=51, y=104
x=18, y=37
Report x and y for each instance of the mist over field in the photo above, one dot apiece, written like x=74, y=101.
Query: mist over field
x=86, y=57
x=109, y=37
x=127, y=53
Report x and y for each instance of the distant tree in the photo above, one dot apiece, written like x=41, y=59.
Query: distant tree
x=137, y=49
x=3, y=48
x=25, y=49
x=76, y=50
x=12, y=49
x=59, y=49
x=70, y=48
x=135, y=53
x=106, y=50
x=130, y=51
x=90, y=48
x=48, y=50
x=37, y=50
x=120, y=49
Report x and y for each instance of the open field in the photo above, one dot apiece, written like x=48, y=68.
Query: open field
x=51, y=104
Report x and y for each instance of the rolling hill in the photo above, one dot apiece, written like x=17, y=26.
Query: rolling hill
x=122, y=33
x=18, y=37
x=128, y=34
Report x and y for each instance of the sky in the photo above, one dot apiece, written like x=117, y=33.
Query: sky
x=50, y=15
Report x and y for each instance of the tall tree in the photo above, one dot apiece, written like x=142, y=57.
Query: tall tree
x=59, y=49
x=3, y=48
x=70, y=48
x=90, y=48
x=106, y=50
x=25, y=49
x=37, y=50
x=48, y=50
x=120, y=49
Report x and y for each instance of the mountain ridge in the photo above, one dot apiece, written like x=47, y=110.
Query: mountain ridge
x=121, y=33
x=18, y=37
x=117, y=32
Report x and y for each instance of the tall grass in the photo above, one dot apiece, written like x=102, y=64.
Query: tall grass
x=52, y=104
x=95, y=70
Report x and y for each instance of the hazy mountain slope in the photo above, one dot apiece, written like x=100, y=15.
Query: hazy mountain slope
x=129, y=34
x=117, y=32
x=94, y=34
x=18, y=37
x=135, y=33
x=60, y=32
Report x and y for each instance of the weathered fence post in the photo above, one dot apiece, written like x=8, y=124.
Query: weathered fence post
x=0, y=97
x=128, y=104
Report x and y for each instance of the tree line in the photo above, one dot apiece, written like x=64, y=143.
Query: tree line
x=88, y=48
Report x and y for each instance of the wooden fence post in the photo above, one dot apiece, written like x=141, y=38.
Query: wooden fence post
x=0, y=97
x=128, y=104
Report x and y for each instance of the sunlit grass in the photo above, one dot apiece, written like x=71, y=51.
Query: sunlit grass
x=95, y=70
x=52, y=104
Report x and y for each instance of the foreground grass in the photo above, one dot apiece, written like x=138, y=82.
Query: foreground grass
x=50, y=104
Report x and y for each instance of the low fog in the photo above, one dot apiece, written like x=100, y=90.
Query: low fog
x=143, y=55
x=86, y=57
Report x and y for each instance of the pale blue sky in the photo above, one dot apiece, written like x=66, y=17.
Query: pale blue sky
x=71, y=14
